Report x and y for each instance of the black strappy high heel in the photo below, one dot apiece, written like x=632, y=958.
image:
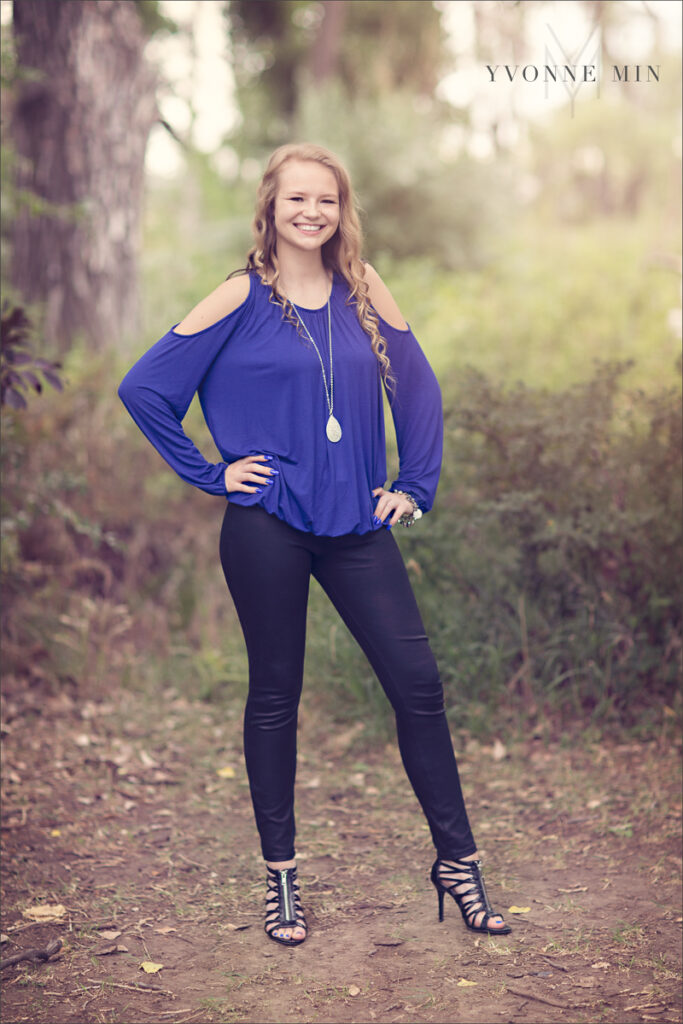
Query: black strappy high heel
x=283, y=905
x=473, y=900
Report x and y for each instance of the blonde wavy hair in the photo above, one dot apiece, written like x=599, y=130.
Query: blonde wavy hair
x=341, y=253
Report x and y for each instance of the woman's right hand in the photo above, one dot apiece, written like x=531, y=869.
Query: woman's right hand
x=250, y=468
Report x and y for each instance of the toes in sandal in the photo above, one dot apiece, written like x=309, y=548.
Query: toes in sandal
x=283, y=905
x=464, y=881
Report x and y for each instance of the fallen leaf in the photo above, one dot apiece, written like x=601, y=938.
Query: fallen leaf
x=518, y=910
x=575, y=888
x=228, y=772
x=592, y=804
x=164, y=930
x=149, y=967
x=3, y=939
x=109, y=935
x=498, y=751
x=599, y=965
x=105, y=950
x=56, y=832
x=464, y=983
x=148, y=761
x=354, y=990
x=46, y=912
x=121, y=948
x=237, y=927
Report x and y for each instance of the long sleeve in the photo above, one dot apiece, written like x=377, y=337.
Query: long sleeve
x=157, y=392
x=417, y=411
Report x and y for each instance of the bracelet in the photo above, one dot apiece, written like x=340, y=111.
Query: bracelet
x=408, y=518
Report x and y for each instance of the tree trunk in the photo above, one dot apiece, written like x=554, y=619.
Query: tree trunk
x=325, y=51
x=79, y=126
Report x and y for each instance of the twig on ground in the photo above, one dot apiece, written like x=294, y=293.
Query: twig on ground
x=194, y=862
x=646, y=1006
x=133, y=988
x=171, y=1013
x=558, y=967
x=36, y=954
x=543, y=999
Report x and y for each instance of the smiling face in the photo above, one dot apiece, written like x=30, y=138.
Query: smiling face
x=306, y=206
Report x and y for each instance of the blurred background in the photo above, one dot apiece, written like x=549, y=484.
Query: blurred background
x=530, y=231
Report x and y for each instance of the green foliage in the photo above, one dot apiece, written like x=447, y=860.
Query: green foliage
x=15, y=352
x=270, y=40
x=275, y=44
x=417, y=202
x=554, y=556
x=615, y=156
x=550, y=301
x=197, y=230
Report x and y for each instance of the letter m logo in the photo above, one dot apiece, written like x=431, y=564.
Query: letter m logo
x=588, y=53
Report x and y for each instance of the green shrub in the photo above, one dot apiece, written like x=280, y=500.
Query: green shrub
x=550, y=571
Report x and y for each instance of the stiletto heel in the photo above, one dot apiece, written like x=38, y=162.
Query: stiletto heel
x=439, y=893
x=283, y=905
x=473, y=900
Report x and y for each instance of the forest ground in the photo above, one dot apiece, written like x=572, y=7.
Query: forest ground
x=131, y=814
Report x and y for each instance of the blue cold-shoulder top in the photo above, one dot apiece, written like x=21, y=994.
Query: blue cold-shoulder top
x=261, y=391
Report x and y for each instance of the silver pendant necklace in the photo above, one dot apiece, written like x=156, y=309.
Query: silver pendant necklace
x=333, y=427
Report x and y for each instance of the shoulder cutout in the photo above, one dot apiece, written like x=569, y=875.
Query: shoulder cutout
x=222, y=301
x=382, y=299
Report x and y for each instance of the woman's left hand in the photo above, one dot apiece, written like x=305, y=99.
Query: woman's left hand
x=390, y=506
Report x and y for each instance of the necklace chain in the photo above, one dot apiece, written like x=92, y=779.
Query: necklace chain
x=329, y=394
x=333, y=428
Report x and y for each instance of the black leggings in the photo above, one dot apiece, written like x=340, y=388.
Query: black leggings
x=267, y=566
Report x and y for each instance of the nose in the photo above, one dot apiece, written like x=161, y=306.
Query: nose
x=311, y=210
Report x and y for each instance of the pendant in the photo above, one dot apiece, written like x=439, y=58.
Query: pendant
x=333, y=429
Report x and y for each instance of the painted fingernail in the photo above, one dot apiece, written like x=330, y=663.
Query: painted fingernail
x=268, y=457
x=259, y=489
x=376, y=519
x=275, y=472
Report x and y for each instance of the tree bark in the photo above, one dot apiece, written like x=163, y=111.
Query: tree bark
x=79, y=127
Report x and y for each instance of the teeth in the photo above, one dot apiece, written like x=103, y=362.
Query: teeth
x=309, y=227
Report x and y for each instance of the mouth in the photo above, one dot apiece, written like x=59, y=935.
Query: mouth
x=310, y=229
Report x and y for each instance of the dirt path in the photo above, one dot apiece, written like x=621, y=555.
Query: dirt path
x=134, y=817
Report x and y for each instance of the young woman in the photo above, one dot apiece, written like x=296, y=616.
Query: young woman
x=289, y=356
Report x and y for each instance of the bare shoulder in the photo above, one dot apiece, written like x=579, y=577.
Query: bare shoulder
x=223, y=300
x=382, y=299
